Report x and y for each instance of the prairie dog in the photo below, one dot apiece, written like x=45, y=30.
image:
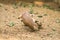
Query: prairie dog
x=27, y=20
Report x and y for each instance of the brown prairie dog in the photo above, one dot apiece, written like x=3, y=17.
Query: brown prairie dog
x=27, y=20
x=38, y=3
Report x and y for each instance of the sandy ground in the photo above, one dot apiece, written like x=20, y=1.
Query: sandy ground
x=50, y=23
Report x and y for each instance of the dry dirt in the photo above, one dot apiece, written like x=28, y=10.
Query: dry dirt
x=50, y=20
